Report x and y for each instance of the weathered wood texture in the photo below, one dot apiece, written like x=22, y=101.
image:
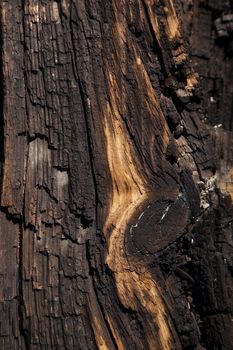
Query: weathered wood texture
x=114, y=232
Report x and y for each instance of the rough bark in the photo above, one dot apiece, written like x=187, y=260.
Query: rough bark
x=115, y=209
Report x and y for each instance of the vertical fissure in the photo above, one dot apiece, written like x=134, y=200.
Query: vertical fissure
x=1, y=100
x=85, y=113
x=91, y=273
x=21, y=305
x=89, y=145
x=157, y=47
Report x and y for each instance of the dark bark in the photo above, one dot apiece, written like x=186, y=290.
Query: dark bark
x=116, y=178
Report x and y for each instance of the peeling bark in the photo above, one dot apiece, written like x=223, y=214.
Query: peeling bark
x=116, y=180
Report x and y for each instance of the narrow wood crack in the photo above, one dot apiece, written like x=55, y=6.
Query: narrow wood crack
x=1, y=103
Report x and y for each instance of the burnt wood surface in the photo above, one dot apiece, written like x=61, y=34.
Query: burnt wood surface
x=116, y=174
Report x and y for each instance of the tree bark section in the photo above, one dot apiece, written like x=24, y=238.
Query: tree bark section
x=114, y=234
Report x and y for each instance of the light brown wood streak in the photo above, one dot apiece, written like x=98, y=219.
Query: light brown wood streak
x=153, y=19
x=172, y=29
x=99, y=327
x=172, y=20
x=130, y=193
x=224, y=178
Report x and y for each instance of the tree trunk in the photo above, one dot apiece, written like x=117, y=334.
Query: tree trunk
x=116, y=176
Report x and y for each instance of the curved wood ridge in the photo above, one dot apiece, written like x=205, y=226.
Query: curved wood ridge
x=132, y=180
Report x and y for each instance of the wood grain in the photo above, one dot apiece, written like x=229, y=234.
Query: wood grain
x=115, y=233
